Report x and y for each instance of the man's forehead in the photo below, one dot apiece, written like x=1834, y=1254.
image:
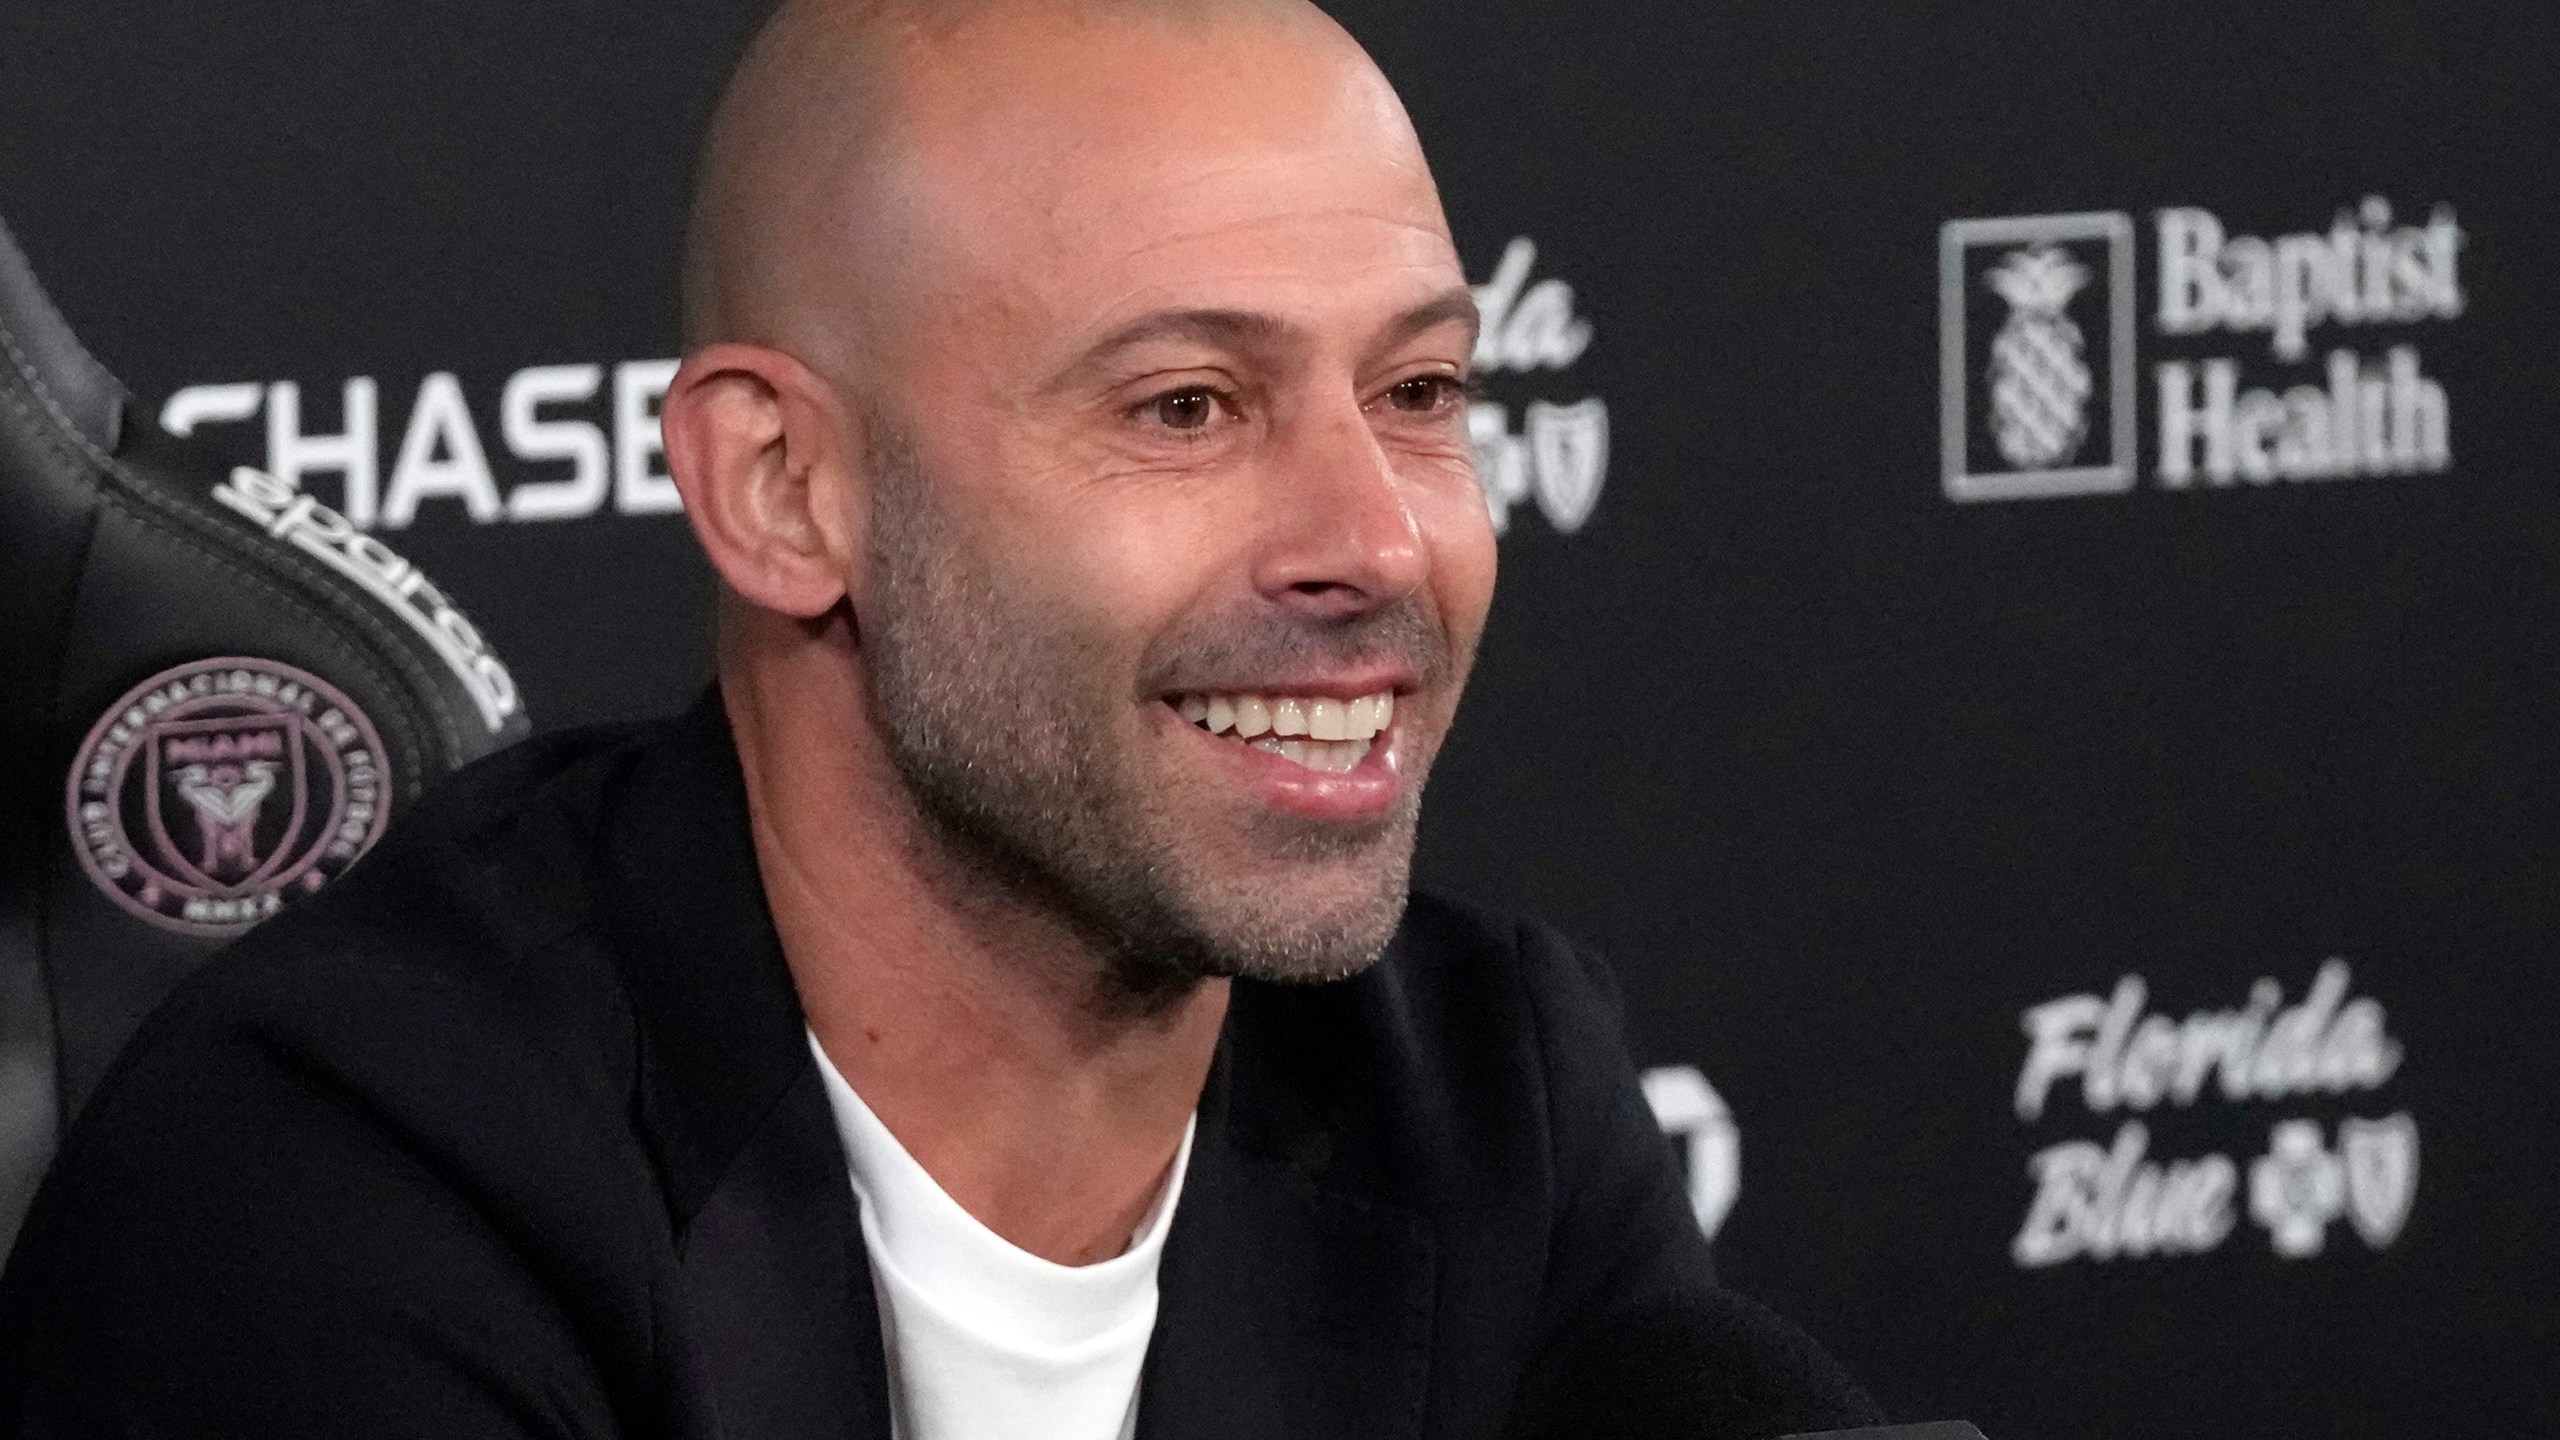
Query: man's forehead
x=1166, y=186
x=1291, y=285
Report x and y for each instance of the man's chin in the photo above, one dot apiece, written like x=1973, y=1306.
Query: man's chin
x=1304, y=932
x=1157, y=970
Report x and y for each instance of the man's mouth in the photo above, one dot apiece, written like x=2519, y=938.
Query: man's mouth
x=1320, y=732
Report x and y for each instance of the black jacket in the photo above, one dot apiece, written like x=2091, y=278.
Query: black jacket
x=514, y=1132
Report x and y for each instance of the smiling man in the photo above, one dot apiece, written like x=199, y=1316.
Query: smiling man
x=996, y=1010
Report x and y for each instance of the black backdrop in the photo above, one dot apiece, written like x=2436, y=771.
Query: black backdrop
x=1860, y=782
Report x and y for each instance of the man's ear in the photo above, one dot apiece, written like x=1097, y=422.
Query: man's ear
x=763, y=452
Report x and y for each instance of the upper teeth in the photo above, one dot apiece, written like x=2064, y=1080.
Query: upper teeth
x=1317, y=717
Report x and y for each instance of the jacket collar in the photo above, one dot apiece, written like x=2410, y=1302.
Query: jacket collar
x=719, y=1024
x=778, y=1311
x=1289, y=1305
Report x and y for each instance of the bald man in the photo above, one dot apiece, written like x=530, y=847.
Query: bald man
x=996, y=1010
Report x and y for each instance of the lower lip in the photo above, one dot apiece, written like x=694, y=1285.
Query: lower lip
x=1363, y=792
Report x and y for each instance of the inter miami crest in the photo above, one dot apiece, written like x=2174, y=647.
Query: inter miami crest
x=216, y=793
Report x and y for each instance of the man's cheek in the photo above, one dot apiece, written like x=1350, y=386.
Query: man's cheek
x=1138, y=569
x=1464, y=562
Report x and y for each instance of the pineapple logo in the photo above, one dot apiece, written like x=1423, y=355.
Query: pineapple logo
x=2039, y=370
x=2031, y=403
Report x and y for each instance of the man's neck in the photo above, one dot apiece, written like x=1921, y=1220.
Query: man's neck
x=983, y=1030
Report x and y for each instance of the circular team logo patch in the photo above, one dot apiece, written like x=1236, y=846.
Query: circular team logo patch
x=215, y=794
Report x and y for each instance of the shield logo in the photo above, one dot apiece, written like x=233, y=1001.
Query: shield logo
x=211, y=787
x=216, y=792
x=1569, y=449
x=2382, y=1174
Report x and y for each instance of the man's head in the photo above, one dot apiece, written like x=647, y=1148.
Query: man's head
x=1068, y=379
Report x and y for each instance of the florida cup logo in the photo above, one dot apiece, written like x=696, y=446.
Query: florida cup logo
x=216, y=793
x=2039, y=370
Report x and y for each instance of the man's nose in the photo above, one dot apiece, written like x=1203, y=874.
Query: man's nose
x=1340, y=537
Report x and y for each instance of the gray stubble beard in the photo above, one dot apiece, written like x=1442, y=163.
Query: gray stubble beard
x=1002, y=737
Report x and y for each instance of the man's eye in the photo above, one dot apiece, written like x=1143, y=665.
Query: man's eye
x=1426, y=394
x=1183, y=409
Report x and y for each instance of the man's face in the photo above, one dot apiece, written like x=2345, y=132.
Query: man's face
x=1178, y=561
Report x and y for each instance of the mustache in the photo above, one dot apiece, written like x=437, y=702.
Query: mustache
x=1259, y=645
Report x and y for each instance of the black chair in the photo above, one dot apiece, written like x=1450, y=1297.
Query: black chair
x=214, y=693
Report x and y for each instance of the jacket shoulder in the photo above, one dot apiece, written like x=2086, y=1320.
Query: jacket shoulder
x=1470, y=967
x=1472, y=1055
x=389, y=1128
x=1442, y=931
x=463, y=932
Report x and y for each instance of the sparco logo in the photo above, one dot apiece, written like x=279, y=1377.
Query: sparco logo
x=1559, y=453
x=284, y=513
x=214, y=794
x=2103, y=1202
x=2038, y=383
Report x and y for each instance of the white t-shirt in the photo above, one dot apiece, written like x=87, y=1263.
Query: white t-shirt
x=986, y=1341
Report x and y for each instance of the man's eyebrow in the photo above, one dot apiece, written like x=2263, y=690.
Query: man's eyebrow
x=1239, y=328
x=1210, y=326
x=1457, y=303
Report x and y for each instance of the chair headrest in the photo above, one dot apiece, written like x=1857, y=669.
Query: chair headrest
x=36, y=343
x=219, y=690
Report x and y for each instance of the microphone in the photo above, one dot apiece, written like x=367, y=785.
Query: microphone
x=1707, y=1365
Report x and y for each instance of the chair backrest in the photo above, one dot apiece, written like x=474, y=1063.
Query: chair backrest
x=214, y=693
